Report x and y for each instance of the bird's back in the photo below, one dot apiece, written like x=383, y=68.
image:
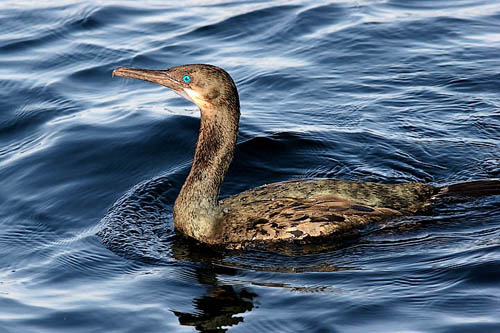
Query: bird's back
x=304, y=210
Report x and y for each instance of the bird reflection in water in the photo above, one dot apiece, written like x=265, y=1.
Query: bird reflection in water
x=219, y=308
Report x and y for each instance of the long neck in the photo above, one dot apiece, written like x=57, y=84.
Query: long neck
x=196, y=208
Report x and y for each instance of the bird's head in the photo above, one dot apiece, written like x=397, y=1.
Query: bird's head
x=207, y=86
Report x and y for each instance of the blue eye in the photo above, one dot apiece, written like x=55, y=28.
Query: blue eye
x=187, y=78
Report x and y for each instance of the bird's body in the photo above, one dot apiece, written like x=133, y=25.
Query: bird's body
x=300, y=210
x=307, y=210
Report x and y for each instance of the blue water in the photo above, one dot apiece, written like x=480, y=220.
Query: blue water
x=390, y=91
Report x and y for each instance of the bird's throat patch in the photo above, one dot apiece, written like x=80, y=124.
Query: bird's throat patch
x=196, y=98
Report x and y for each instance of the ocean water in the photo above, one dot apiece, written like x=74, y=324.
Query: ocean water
x=389, y=91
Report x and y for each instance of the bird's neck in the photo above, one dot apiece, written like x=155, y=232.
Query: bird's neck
x=196, y=209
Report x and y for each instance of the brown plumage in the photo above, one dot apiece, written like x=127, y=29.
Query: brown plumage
x=301, y=210
x=305, y=210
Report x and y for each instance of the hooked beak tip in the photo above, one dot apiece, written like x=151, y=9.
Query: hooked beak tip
x=117, y=71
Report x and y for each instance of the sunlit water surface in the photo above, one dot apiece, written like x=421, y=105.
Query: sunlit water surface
x=389, y=91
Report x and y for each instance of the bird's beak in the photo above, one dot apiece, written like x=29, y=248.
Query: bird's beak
x=162, y=77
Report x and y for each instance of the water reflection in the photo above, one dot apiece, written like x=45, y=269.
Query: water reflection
x=222, y=304
x=218, y=309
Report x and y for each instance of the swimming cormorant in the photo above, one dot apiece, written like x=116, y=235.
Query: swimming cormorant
x=298, y=210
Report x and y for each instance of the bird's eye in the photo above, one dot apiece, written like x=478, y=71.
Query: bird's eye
x=187, y=78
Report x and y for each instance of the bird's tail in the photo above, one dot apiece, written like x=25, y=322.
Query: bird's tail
x=477, y=188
